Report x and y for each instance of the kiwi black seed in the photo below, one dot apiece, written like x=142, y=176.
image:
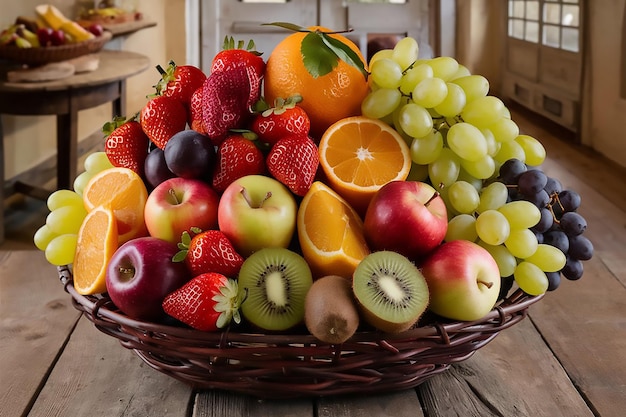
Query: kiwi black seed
x=330, y=311
x=273, y=282
x=391, y=292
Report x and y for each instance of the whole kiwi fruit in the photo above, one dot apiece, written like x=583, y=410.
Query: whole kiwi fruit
x=391, y=292
x=330, y=311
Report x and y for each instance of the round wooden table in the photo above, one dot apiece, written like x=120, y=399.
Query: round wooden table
x=64, y=98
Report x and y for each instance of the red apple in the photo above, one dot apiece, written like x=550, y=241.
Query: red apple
x=256, y=212
x=141, y=273
x=463, y=280
x=178, y=204
x=408, y=217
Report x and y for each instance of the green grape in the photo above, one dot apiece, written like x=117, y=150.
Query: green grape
x=380, y=103
x=81, y=182
x=43, y=236
x=418, y=173
x=483, y=111
x=445, y=170
x=505, y=260
x=463, y=197
x=427, y=149
x=444, y=67
x=504, y=130
x=453, y=103
x=533, y=149
x=482, y=169
x=467, y=141
x=430, y=92
x=96, y=162
x=60, y=198
x=66, y=219
x=415, y=121
x=462, y=227
x=521, y=214
x=493, y=197
x=475, y=86
x=521, y=243
x=509, y=150
x=414, y=76
x=467, y=177
x=463, y=71
x=530, y=278
x=492, y=227
x=61, y=249
x=383, y=53
x=548, y=258
x=492, y=145
x=405, y=52
x=386, y=73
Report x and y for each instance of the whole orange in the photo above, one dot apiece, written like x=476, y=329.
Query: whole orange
x=327, y=98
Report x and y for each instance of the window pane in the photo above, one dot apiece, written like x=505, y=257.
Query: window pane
x=570, y=1
x=532, y=32
x=532, y=10
x=570, y=39
x=551, y=35
x=516, y=9
x=552, y=13
x=570, y=16
x=516, y=28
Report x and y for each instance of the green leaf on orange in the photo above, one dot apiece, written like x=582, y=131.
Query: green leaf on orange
x=344, y=52
x=318, y=59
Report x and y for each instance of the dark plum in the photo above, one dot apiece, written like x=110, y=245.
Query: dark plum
x=190, y=154
x=155, y=168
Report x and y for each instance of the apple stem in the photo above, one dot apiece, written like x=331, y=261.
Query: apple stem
x=174, y=196
x=486, y=284
x=246, y=197
x=435, y=195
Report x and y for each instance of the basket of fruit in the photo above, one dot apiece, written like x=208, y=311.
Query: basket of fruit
x=52, y=38
x=327, y=244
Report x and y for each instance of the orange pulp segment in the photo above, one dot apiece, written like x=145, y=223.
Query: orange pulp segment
x=359, y=155
x=330, y=233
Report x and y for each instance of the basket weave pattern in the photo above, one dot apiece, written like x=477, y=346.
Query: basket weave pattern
x=278, y=366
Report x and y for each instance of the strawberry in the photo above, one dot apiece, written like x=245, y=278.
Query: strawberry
x=293, y=161
x=284, y=119
x=207, y=302
x=208, y=251
x=232, y=56
x=195, y=112
x=126, y=144
x=237, y=156
x=179, y=81
x=227, y=99
x=161, y=117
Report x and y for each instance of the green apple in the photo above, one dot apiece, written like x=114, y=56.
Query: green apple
x=256, y=212
x=463, y=280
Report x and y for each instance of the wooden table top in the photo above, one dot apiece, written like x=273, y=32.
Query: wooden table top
x=568, y=358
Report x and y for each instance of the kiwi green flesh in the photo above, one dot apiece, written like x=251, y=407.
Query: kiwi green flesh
x=391, y=290
x=273, y=282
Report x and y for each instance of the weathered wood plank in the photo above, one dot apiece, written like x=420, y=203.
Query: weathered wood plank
x=221, y=403
x=36, y=317
x=400, y=404
x=96, y=376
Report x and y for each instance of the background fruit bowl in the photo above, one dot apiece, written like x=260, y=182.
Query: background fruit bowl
x=264, y=365
x=48, y=54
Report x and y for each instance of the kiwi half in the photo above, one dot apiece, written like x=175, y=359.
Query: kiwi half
x=273, y=283
x=392, y=293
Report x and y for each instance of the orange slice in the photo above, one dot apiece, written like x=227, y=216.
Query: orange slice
x=124, y=191
x=359, y=155
x=330, y=233
x=97, y=241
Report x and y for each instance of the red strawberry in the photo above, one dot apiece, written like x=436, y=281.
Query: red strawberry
x=195, y=112
x=237, y=156
x=209, y=251
x=207, y=302
x=233, y=55
x=180, y=81
x=285, y=119
x=126, y=144
x=293, y=161
x=161, y=117
x=227, y=98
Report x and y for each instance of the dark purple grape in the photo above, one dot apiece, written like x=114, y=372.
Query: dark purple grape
x=572, y=223
x=532, y=181
x=554, y=280
x=539, y=199
x=569, y=200
x=573, y=269
x=190, y=154
x=580, y=248
x=514, y=194
x=545, y=222
x=539, y=237
x=558, y=239
x=510, y=171
x=505, y=286
x=553, y=186
x=155, y=169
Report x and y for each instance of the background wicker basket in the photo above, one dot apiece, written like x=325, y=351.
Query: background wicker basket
x=275, y=366
x=48, y=54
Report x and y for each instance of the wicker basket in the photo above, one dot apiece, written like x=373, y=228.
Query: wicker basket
x=48, y=54
x=277, y=366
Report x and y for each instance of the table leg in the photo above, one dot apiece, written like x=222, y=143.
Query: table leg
x=118, y=107
x=1, y=182
x=67, y=149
